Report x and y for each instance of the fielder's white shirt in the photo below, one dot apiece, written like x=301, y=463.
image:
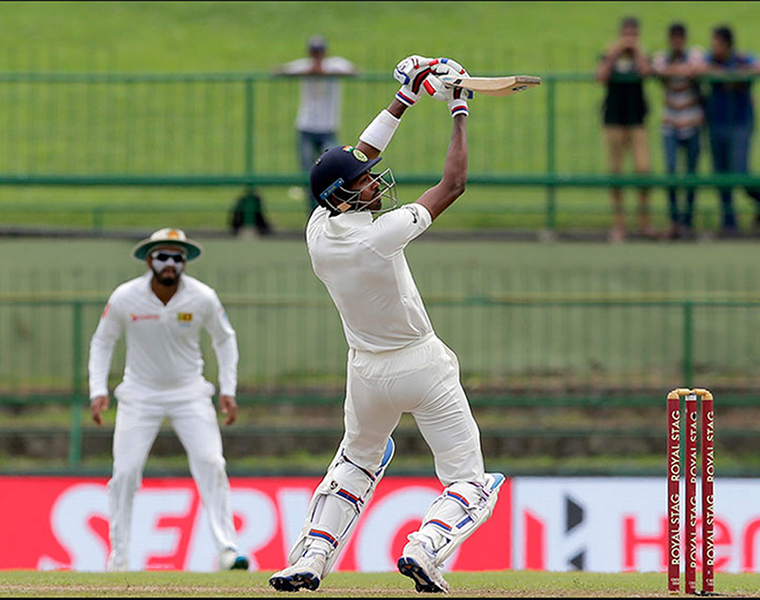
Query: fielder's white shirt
x=361, y=262
x=163, y=349
x=319, y=111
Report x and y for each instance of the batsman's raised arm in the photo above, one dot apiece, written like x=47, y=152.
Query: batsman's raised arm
x=412, y=73
x=454, y=180
x=417, y=73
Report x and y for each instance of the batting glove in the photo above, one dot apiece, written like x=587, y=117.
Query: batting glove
x=411, y=73
x=456, y=98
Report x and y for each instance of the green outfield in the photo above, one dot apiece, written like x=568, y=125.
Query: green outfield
x=502, y=584
x=73, y=129
x=352, y=585
x=209, y=209
x=256, y=36
x=517, y=313
x=709, y=265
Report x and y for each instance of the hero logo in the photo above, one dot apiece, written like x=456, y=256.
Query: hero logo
x=622, y=525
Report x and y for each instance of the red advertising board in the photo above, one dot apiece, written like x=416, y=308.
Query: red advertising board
x=600, y=524
x=61, y=523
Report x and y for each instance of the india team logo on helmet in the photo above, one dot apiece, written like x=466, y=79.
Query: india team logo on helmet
x=358, y=154
x=333, y=173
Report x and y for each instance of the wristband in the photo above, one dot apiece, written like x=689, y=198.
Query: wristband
x=379, y=132
x=406, y=96
x=459, y=107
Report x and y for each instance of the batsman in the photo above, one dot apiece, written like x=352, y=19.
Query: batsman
x=396, y=362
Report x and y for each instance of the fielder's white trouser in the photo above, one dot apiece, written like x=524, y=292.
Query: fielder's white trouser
x=422, y=380
x=139, y=415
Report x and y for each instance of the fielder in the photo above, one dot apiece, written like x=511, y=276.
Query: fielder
x=396, y=363
x=161, y=314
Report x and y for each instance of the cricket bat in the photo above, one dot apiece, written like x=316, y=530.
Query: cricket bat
x=492, y=86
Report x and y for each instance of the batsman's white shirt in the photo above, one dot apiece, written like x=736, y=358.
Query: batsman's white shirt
x=396, y=363
x=362, y=264
x=163, y=342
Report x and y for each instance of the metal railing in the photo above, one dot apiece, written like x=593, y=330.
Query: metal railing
x=237, y=130
x=514, y=352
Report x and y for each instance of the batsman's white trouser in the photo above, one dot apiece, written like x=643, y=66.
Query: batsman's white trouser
x=139, y=415
x=422, y=380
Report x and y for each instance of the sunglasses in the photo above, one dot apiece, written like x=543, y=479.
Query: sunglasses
x=164, y=256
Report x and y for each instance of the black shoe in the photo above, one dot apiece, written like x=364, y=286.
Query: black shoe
x=422, y=583
x=293, y=583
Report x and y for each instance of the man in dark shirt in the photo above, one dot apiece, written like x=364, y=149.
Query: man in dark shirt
x=730, y=117
x=622, y=70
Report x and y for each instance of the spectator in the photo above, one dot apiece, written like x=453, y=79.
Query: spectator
x=682, y=120
x=622, y=70
x=730, y=118
x=318, y=117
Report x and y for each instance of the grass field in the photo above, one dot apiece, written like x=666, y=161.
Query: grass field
x=256, y=36
x=517, y=584
x=208, y=209
x=69, y=129
x=723, y=267
x=289, y=333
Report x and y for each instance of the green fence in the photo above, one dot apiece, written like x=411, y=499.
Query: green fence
x=509, y=346
x=602, y=338
x=232, y=130
x=533, y=329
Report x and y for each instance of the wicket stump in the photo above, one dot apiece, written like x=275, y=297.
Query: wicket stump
x=674, y=488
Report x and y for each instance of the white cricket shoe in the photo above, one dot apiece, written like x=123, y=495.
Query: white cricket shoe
x=231, y=560
x=116, y=565
x=306, y=573
x=419, y=564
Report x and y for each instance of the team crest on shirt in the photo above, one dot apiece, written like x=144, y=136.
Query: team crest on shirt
x=185, y=318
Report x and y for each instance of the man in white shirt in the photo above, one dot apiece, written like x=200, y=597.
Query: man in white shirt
x=318, y=117
x=396, y=363
x=161, y=314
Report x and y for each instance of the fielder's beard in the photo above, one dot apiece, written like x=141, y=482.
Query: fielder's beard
x=168, y=278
